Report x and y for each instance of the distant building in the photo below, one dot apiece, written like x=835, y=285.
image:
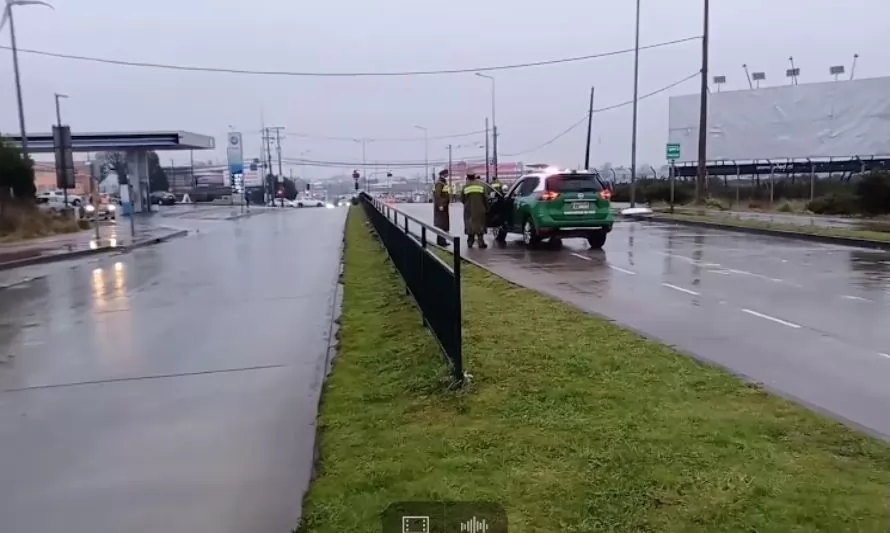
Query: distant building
x=45, y=177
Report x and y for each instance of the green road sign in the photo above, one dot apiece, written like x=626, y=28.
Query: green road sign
x=673, y=151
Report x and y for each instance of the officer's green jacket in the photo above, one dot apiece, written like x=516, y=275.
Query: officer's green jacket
x=475, y=207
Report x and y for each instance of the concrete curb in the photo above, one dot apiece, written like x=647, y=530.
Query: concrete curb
x=43, y=259
x=786, y=234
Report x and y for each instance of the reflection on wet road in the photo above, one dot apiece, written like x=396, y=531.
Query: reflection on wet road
x=809, y=320
x=170, y=389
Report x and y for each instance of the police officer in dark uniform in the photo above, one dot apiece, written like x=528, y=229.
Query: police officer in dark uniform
x=441, y=201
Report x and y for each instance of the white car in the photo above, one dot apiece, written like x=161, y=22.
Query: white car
x=106, y=211
x=281, y=202
x=309, y=202
x=73, y=199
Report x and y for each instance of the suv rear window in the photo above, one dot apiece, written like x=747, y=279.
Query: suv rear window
x=574, y=183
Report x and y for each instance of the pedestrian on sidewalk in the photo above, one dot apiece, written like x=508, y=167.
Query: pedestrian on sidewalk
x=441, y=200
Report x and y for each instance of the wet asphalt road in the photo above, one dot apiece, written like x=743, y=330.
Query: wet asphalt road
x=170, y=389
x=808, y=320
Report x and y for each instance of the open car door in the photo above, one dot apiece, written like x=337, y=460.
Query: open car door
x=496, y=214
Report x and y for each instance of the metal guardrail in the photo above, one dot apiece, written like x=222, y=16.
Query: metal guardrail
x=434, y=284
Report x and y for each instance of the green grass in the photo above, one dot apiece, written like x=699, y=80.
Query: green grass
x=572, y=423
x=867, y=234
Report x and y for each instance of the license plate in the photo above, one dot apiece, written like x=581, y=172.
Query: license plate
x=581, y=205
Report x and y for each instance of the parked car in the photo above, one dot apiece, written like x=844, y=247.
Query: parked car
x=52, y=204
x=562, y=204
x=281, y=202
x=59, y=196
x=162, y=198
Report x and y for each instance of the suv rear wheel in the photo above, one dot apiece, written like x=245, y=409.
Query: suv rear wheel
x=597, y=239
x=530, y=235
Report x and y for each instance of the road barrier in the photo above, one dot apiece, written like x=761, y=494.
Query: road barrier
x=434, y=284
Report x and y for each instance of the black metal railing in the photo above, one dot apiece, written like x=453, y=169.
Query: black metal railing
x=434, y=284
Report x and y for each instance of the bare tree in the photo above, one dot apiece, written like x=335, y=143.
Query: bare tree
x=113, y=162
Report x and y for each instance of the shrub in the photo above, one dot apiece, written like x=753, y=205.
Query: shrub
x=873, y=191
x=836, y=203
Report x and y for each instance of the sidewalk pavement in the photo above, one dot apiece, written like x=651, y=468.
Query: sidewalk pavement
x=71, y=245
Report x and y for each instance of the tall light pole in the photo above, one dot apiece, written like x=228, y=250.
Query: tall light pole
x=7, y=15
x=494, y=123
x=633, y=141
x=701, y=177
x=426, y=152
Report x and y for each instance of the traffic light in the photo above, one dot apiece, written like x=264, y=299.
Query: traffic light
x=355, y=175
x=307, y=187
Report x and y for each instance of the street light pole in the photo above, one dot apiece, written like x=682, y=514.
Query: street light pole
x=633, y=142
x=494, y=123
x=7, y=15
x=426, y=153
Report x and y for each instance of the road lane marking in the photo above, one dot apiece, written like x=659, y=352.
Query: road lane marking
x=579, y=256
x=681, y=289
x=856, y=298
x=761, y=276
x=771, y=318
x=882, y=354
x=626, y=271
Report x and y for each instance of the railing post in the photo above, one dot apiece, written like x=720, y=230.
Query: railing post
x=457, y=360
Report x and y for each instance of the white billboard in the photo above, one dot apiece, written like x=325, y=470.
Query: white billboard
x=838, y=119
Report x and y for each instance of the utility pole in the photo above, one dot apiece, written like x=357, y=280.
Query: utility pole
x=589, y=131
x=487, y=160
x=701, y=177
x=365, y=162
x=192, y=168
x=267, y=138
x=450, y=181
x=633, y=142
x=278, y=150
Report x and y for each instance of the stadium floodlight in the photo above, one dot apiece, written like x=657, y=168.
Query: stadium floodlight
x=758, y=77
x=718, y=81
x=836, y=71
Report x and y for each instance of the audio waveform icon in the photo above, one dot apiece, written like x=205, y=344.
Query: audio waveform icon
x=474, y=525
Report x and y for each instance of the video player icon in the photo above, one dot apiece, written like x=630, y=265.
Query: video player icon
x=474, y=525
x=415, y=524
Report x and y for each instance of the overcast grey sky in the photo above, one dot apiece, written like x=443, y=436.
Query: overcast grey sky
x=534, y=104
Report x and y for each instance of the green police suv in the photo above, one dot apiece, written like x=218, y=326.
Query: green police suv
x=555, y=205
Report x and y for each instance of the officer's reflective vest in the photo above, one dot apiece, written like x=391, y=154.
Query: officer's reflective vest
x=474, y=188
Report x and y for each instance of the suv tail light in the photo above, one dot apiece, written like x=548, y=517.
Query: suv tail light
x=606, y=194
x=549, y=195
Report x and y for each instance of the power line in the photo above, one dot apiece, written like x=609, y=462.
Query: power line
x=401, y=164
x=601, y=110
x=376, y=139
x=222, y=70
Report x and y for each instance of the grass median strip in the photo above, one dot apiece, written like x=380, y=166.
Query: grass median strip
x=847, y=233
x=570, y=422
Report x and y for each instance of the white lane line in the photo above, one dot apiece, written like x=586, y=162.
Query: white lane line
x=882, y=354
x=856, y=298
x=771, y=318
x=681, y=289
x=624, y=270
x=761, y=276
x=579, y=256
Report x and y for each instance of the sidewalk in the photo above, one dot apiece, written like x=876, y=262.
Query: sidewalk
x=67, y=246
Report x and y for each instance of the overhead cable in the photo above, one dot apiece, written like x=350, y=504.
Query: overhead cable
x=252, y=72
x=535, y=148
x=601, y=110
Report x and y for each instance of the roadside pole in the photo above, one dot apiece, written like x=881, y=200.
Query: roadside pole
x=94, y=191
x=672, y=154
x=672, y=173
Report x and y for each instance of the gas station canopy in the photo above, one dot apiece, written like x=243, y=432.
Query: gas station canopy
x=123, y=141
